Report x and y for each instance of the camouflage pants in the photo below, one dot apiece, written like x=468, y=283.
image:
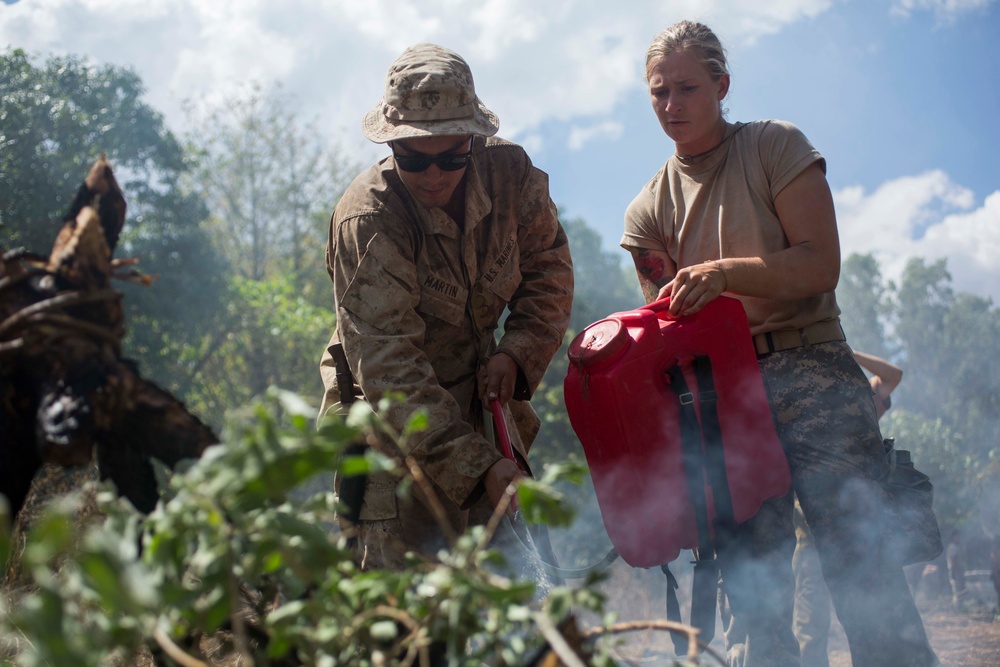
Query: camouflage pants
x=384, y=542
x=825, y=415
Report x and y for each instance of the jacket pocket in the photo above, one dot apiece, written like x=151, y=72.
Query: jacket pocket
x=443, y=306
x=506, y=280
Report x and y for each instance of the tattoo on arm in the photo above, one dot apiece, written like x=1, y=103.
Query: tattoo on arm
x=651, y=271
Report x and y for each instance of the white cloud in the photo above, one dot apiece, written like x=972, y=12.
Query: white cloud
x=927, y=216
x=768, y=18
x=944, y=10
x=561, y=60
x=580, y=136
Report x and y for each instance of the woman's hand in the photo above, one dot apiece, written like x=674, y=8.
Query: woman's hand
x=694, y=286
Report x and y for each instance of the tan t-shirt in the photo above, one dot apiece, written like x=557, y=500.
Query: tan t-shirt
x=723, y=206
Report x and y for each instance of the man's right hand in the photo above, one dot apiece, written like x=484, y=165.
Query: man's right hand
x=497, y=379
x=501, y=474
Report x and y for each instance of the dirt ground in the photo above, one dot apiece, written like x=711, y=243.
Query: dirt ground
x=967, y=638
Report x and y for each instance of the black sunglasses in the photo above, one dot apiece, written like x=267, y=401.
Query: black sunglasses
x=446, y=162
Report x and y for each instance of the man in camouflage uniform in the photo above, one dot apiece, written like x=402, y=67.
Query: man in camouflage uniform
x=426, y=250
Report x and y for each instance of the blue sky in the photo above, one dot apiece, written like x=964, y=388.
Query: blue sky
x=901, y=96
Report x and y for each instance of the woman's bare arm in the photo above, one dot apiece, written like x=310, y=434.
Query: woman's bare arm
x=809, y=266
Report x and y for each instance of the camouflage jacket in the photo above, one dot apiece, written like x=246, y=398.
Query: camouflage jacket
x=418, y=302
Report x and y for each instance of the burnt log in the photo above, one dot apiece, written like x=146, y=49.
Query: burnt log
x=65, y=390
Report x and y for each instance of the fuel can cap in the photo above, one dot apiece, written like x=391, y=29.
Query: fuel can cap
x=599, y=343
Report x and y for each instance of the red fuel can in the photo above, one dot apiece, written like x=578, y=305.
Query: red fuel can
x=626, y=415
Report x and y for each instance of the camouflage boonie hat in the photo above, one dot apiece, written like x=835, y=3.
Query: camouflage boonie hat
x=428, y=92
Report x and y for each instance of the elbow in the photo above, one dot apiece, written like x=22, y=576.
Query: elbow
x=829, y=284
x=826, y=280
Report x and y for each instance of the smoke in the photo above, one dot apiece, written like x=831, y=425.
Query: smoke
x=628, y=421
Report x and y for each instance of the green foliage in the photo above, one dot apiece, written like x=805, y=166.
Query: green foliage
x=602, y=284
x=947, y=408
x=269, y=335
x=56, y=120
x=228, y=553
x=953, y=373
x=270, y=182
x=863, y=296
x=923, y=300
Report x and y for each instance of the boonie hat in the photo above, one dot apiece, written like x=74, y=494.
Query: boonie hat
x=429, y=91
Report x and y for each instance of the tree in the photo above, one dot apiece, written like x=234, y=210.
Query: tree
x=864, y=305
x=952, y=379
x=270, y=315
x=602, y=284
x=270, y=181
x=922, y=301
x=54, y=121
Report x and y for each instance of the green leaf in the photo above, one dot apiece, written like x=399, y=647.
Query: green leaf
x=541, y=503
x=417, y=422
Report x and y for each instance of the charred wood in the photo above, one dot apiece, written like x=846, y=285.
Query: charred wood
x=65, y=390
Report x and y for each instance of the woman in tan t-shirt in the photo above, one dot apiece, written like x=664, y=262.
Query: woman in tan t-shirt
x=745, y=209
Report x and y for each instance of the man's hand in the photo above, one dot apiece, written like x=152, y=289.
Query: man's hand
x=502, y=474
x=497, y=379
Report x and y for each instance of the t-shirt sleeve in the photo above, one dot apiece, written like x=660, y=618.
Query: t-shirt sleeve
x=642, y=227
x=785, y=153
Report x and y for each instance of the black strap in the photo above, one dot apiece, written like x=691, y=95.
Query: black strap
x=706, y=577
x=352, y=488
x=715, y=462
x=679, y=639
x=692, y=457
x=345, y=379
x=704, y=461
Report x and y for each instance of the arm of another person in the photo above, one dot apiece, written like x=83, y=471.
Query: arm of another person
x=886, y=377
x=809, y=266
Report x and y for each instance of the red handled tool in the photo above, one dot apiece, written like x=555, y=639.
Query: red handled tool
x=500, y=423
x=544, y=570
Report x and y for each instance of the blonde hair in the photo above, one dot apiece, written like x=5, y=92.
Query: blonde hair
x=694, y=38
